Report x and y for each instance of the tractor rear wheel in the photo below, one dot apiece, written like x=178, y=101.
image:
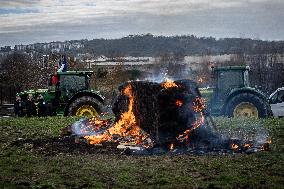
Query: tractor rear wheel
x=85, y=106
x=247, y=105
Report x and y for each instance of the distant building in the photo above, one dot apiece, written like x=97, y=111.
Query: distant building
x=20, y=47
x=6, y=49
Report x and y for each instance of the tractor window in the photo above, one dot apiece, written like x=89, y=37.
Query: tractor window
x=228, y=80
x=72, y=83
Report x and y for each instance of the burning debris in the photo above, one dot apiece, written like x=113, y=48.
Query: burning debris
x=169, y=115
x=126, y=127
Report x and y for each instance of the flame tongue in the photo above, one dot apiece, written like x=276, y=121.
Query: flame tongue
x=127, y=121
x=198, y=106
x=126, y=126
x=234, y=146
x=168, y=84
x=179, y=103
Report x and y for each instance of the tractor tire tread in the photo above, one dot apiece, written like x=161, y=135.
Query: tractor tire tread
x=259, y=103
x=84, y=100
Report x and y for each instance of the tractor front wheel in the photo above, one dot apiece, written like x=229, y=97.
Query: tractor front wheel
x=85, y=106
x=246, y=105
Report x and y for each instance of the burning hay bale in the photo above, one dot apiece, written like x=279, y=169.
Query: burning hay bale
x=149, y=114
x=163, y=110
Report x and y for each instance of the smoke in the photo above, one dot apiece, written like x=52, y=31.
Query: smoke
x=79, y=128
x=158, y=77
x=164, y=72
x=85, y=127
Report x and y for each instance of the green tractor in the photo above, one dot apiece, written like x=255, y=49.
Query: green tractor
x=69, y=96
x=232, y=96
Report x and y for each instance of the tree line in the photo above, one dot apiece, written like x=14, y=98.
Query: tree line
x=153, y=46
x=150, y=45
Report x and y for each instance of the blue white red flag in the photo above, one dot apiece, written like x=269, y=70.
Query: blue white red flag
x=63, y=67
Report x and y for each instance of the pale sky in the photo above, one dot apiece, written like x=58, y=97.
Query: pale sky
x=31, y=21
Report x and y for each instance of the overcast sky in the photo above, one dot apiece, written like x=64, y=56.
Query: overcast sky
x=30, y=21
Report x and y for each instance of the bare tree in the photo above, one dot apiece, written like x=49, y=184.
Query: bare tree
x=21, y=70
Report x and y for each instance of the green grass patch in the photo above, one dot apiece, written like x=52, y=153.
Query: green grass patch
x=22, y=166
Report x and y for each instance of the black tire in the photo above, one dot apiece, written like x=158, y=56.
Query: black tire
x=259, y=103
x=85, y=100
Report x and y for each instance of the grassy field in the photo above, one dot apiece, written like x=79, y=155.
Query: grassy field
x=35, y=164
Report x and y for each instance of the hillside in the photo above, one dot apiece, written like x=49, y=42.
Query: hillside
x=149, y=45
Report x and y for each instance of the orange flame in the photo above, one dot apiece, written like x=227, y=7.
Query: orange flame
x=198, y=106
x=179, y=103
x=171, y=147
x=125, y=126
x=265, y=146
x=247, y=146
x=234, y=146
x=98, y=139
x=169, y=84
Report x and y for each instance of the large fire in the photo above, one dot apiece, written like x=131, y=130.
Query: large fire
x=172, y=101
x=125, y=126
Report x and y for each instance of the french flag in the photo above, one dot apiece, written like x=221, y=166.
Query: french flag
x=63, y=67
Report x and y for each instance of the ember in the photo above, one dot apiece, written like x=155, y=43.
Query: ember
x=247, y=146
x=200, y=80
x=234, y=146
x=179, y=103
x=171, y=147
x=198, y=104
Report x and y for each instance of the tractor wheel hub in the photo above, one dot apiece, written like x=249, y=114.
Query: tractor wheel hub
x=86, y=110
x=245, y=109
